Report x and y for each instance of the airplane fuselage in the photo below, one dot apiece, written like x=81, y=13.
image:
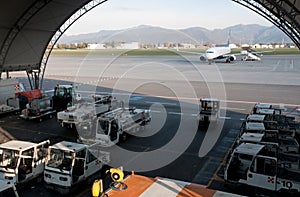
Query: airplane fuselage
x=215, y=52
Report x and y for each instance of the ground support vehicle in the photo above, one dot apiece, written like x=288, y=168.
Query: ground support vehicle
x=209, y=110
x=253, y=165
x=114, y=126
x=7, y=109
x=22, y=161
x=271, y=138
x=69, y=164
x=274, y=121
x=86, y=110
x=35, y=105
x=63, y=97
x=8, y=101
x=267, y=127
x=38, y=105
x=266, y=108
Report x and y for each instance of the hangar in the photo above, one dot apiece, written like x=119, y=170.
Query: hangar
x=29, y=29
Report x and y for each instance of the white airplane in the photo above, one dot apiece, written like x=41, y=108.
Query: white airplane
x=215, y=53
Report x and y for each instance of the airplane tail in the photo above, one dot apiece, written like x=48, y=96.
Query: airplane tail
x=228, y=42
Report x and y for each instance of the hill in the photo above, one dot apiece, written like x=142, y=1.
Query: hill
x=152, y=34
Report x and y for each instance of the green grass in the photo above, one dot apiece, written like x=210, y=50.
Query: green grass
x=123, y=52
x=157, y=52
x=150, y=52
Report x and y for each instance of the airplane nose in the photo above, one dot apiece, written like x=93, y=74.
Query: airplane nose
x=208, y=56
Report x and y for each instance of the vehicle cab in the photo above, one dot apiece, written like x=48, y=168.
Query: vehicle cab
x=254, y=165
x=22, y=161
x=63, y=97
x=210, y=109
x=69, y=164
x=267, y=109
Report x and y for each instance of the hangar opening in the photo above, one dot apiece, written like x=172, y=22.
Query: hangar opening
x=30, y=29
x=173, y=97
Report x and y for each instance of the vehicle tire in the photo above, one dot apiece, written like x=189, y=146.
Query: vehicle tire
x=123, y=137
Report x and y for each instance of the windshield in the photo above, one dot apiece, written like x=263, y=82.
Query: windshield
x=103, y=127
x=209, y=105
x=60, y=159
x=8, y=158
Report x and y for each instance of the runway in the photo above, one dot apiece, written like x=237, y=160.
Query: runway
x=171, y=87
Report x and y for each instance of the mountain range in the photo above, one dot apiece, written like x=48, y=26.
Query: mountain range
x=250, y=34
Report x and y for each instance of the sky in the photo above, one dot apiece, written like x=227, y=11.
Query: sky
x=172, y=14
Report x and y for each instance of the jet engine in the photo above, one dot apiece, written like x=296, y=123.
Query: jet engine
x=232, y=58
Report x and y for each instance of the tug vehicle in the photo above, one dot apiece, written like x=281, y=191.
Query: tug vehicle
x=254, y=165
x=86, y=110
x=69, y=164
x=210, y=110
x=271, y=137
x=63, y=97
x=280, y=121
x=114, y=126
x=22, y=161
x=268, y=128
x=266, y=108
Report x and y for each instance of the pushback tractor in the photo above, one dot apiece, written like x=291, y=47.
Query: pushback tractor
x=209, y=110
x=70, y=164
x=22, y=161
x=114, y=126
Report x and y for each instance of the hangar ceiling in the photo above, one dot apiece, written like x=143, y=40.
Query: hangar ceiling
x=28, y=27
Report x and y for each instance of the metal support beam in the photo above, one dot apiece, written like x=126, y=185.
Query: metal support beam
x=276, y=13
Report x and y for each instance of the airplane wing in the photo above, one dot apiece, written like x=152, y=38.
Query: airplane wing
x=190, y=52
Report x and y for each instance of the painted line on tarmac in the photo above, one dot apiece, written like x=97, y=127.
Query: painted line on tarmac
x=176, y=113
x=150, y=102
x=251, y=102
x=48, y=91
x=225, y=117
x=185, y=114
x=276, y=66
x=233, y=108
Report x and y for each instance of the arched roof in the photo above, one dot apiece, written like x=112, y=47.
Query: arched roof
x=284, y=14
x=27, y=27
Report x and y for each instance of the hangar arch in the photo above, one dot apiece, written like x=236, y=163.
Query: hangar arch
x=284, y=14
x=28, y=27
